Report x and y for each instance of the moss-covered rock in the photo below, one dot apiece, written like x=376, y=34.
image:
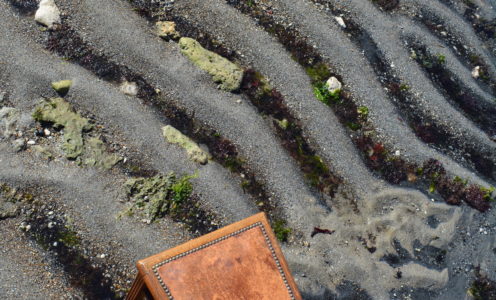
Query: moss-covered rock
x=62, y=86
x=97, y=156
x=224, y=72
x=158, y=195
x=59, y=112
x=90, y=151
x=195, y=153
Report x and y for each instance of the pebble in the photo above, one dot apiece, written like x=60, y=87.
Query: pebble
x=31, y=142
x=46, y=132
x=333, y=84
x=102, y=255
x=397, y=153
x=27, y=228
x=55, y=244
x=51, y=224
x=47, y=13
x=129, y=88
x=476, y=72
x=238, y=101
x=340, y=21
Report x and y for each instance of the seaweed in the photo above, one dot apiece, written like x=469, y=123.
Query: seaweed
x=482, y=288
x=387, y=5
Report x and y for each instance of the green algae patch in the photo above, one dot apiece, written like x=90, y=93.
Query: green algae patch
x=195, y=153
x=62, y=86
x=60, y=113
x=87, y=151
x=224, y=72
x=97, y=156
x=159, y=195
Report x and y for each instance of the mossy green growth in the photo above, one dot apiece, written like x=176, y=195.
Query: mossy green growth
x=59, y=112
x=321, y=91
x=195, y=153
x=224, y=72
x=318, y=72
x=281, y=231
x=62, y=86
x=97, y=156
x=158, y=195
x=90, y=151
x=441, y=59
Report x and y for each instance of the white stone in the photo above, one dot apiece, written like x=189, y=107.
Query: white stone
x=31, y=142
x=129, y=88
x=46, y=132
x=333, y=84
x=476, y=72
x=340, y=21
x=47, y=13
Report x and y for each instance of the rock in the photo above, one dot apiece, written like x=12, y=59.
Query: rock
x=19, y=145
x=8, y=121
x=476, y=72
x=224, y=72
x=62, y=87
x=167, y=30
x=47, y=13
x=97, y=156
x=59, y=112
x=333, y=85
x=195, y=153
x=340, y=21
x=31, y=142
x=129, y=88
x=43, y=152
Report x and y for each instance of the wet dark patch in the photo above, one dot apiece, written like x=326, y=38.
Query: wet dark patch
x=485, y=29
x=454, y=191
x=390, y=167
x=82, y=272
x=476, y=110
x=387, y=5
x=270, y=102
x=436, y=26
x=483, y=287
x=65, y=41
x=425, y=128
x=26, y=7
x=44, y=225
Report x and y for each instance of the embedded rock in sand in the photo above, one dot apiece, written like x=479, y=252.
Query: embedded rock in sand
x=222, y=70
x=47, y=13
x=195, y=153
x=167, y=30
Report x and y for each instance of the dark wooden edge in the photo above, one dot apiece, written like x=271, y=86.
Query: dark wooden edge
x=145, y=266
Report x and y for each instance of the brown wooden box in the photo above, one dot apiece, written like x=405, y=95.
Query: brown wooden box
x=240, y=261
